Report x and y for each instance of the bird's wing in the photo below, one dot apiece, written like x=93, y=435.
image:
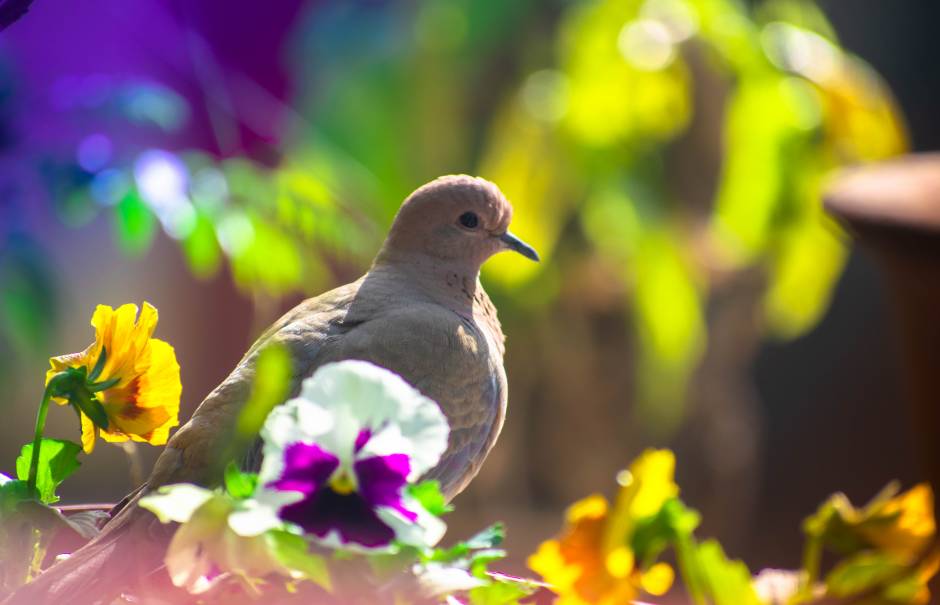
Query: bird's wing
x=190, y=454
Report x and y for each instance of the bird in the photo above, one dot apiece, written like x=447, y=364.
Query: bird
x=420, y=311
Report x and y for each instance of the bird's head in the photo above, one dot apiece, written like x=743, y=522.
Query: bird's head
x=457, y=219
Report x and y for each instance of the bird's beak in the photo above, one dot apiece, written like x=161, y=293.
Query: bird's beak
x=514, y=243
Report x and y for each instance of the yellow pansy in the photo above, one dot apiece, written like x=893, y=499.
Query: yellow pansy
x=592, y=563
x=139, y=375
x=908, y=524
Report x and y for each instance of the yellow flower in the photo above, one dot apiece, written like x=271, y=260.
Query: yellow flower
x=140, y=373
x=908, y=523
x=592, y=563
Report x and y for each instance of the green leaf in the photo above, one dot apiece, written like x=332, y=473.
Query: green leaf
x=99, y=365
x=482, y=558
x=92, y=408
x=491, y=537
x=488, y=539
x=12, y=492
x=653, y=534
x=238, y=484
x=428, y=494
x=726, y=582
x=670, y=324
x=269, y=389
x=861, y=572
x=134, y=224
x=498, y=592
x=201, y=248
x=293, y=552
x=57, y=460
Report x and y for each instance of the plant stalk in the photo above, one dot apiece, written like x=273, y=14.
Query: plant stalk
x=37, y=438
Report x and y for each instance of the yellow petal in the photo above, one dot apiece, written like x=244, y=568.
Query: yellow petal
x=619, y=562
x=146, y=409
x=88, y=434
x=64, y=362
x=592, y=507
x=654, y=471
x=549, y=563
x=122, y=356
x=657, y=579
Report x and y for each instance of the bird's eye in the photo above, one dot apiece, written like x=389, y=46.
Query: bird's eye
x=469, y=220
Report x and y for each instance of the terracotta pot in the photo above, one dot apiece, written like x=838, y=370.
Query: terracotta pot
x=893, y=209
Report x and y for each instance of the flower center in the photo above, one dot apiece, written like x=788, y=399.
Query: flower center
x=342, y=484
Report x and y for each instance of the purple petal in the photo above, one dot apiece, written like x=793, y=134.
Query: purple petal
x=349, y=514
x=362, y=438
x=381, y=479
x=307, y=467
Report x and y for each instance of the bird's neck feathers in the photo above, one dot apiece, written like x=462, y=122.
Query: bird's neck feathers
x=452, y=284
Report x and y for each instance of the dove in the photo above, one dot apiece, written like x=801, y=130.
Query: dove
x=419, y=311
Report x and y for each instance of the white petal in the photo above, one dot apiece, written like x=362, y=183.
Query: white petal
x=298, y=420
x=362, y=395
x=253, y=520
x=426, y=530
x=176, y=502
x=187, y=559
x=437, y=580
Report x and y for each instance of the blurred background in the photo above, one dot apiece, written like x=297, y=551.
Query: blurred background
x=223, y=160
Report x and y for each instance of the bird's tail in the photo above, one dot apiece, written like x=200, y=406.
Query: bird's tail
x=128, y=550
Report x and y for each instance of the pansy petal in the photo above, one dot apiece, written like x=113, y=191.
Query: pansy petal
x=362, y=395
x=381, y=479
x=307, y=467
x=88, y=434
x=421, y=529
x=187, y=560
x=254, y=520
x=346, y=517
x=176, y=502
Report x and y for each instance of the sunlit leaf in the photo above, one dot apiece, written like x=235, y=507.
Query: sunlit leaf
x=203, y=254
x=238, y=484
x=803, y=273
x=269, y=389
x=57, y=460
x=428, y=494
x=724, y=581
x=293, y=553
x=134, y=224
x=620, y=90
x=900, y=524
x=670, y=326
x=769, y=120
x=522, y=159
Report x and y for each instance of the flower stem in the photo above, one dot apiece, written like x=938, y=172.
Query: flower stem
x=812, y=557
x=688, y=568
x=37, y=439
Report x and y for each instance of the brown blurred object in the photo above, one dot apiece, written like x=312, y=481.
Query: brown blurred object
x=894, y=211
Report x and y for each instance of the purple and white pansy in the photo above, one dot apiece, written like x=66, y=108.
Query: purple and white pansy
x=339, y=457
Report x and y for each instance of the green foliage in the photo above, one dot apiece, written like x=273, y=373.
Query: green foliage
x=134, y=224
x=57, y=460
x=428, y=494
x=724, y=582
x=269, y=388
x=239, y=485
x=293, y=552
x=579, y=134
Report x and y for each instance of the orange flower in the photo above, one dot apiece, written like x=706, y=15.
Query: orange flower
x=592, y=563
x=139, y=378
